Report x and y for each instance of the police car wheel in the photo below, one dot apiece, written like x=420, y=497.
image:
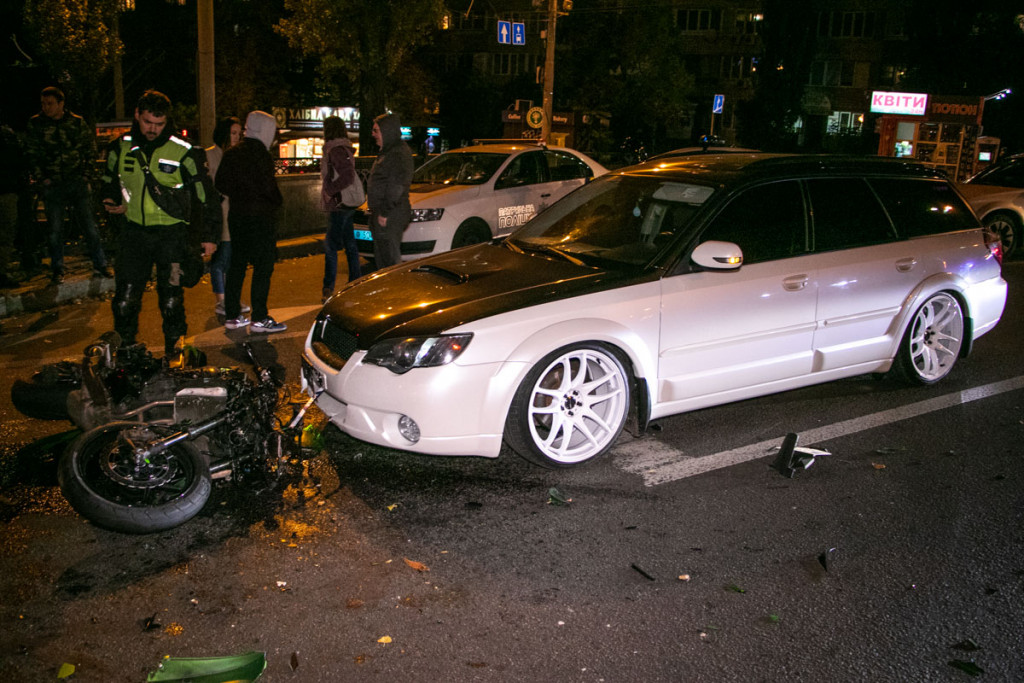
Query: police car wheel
x=472, y=231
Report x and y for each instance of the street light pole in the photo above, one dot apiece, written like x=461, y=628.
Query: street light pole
x=549, y=71
x=207, y=92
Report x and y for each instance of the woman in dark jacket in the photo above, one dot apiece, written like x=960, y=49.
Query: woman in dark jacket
x=337, y=171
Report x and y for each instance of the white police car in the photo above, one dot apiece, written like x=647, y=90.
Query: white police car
x=470, y=195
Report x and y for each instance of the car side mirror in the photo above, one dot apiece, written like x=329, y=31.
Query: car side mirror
x=718, y=255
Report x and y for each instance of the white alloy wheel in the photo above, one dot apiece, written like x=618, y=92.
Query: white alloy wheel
x=571, y=407
x=933, y=340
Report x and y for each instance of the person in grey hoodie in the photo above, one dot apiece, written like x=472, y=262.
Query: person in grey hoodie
x=246, y=177
x=388, y=190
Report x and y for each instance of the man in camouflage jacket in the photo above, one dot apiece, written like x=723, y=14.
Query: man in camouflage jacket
x=61, y=149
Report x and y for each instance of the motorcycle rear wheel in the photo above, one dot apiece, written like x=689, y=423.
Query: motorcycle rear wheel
x=102, y=479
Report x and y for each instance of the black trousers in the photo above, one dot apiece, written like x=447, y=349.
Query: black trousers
x=252, y=242
x=141, y=248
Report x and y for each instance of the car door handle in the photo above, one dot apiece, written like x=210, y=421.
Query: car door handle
x=905, y=265
x=794, y=283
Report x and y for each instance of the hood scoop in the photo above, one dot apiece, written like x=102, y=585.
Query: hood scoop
x=457, y=278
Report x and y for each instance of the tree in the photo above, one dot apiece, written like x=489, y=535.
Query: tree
x=639, y=76
x=78, y=41
x=369, y=42
x=788, y=32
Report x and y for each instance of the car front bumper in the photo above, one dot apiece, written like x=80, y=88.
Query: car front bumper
x=460, y=409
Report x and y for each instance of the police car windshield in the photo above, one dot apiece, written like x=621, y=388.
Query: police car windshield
x=459, y=168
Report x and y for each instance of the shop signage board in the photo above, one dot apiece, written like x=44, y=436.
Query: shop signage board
x=911, y=103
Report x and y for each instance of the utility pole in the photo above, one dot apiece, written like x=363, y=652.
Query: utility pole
x=206, y=91
x=549, y=71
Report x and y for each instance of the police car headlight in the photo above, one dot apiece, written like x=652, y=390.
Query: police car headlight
x=402, y=355
x=422, y=215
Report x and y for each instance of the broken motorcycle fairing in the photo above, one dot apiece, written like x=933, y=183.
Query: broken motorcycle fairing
x=156, y=434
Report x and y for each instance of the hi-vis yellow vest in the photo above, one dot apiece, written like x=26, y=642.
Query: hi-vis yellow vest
x=170, y=165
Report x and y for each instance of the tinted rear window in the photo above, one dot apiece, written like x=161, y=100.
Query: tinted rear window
x=923, y=207
x=846, y=214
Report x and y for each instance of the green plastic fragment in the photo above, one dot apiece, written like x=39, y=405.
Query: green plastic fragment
x=555, y=497
x=243, y=668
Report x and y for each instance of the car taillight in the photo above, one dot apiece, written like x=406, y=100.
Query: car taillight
x=995, y=245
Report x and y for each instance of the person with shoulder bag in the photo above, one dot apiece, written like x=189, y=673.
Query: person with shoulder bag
x=341, y=194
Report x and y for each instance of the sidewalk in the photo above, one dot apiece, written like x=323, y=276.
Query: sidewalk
x=39, y=294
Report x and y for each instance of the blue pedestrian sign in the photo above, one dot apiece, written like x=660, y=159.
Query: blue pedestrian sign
x=718, y=105
x=518, y=33
x=504, y=32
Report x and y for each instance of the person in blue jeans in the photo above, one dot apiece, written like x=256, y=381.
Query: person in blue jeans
x=337, y=171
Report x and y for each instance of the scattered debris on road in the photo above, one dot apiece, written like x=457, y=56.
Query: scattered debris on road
x=791, y=458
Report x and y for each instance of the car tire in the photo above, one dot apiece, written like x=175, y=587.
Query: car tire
x=932, y=342
x=571, y=407
x=1007, y=226
x=472, y=231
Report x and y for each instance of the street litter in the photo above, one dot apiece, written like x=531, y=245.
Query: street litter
x=967, y=645
x=66, y=670
x=969, y=668
x=384, y=639
x=418, y=566
x=791, y=458
x=243, y=668
x=684, y=577
x=827, y=558
x=642, y=572
x=555, y=497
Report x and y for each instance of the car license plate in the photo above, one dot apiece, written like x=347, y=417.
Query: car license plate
x=363, y=235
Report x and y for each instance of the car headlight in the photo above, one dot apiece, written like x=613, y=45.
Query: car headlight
x=402, y=355
x=421, y=215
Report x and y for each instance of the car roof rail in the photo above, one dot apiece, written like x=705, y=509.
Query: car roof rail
x=509, y=141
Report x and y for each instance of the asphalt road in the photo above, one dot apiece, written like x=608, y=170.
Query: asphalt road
x=891, y=559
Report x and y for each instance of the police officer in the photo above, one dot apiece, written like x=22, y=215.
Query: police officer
x=151, y=178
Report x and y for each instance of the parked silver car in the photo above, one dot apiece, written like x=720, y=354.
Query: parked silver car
x=997, y=195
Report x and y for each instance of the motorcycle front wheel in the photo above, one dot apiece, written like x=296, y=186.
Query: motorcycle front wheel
x=108, y=483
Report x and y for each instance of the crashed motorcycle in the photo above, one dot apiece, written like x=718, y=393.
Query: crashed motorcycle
x=157, y=434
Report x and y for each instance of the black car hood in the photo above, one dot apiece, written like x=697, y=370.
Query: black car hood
x=438, y=293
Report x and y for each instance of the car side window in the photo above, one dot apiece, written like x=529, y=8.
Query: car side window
x=845, y=214
x=767, y=222
x=923, y=207
x=525, y=169
x=562, y=166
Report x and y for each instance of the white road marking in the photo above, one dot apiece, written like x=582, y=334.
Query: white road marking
x=658, y=463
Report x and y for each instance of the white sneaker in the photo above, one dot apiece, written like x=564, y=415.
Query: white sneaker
x=219, y=308
x=268, y=325
x=235, y=323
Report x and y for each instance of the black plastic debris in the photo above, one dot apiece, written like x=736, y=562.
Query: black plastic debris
x=969, y=668
x=151, y=624
x=827, y=559
x=642, y=572
x=967, y=645
x=790, y=458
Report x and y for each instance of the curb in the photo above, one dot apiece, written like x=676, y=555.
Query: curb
x=41, y=295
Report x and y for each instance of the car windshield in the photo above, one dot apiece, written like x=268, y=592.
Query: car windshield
x=613, y=221
x=459, y=168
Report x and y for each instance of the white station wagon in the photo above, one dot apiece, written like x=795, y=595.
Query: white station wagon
x=655, y=290
x=473, y=194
